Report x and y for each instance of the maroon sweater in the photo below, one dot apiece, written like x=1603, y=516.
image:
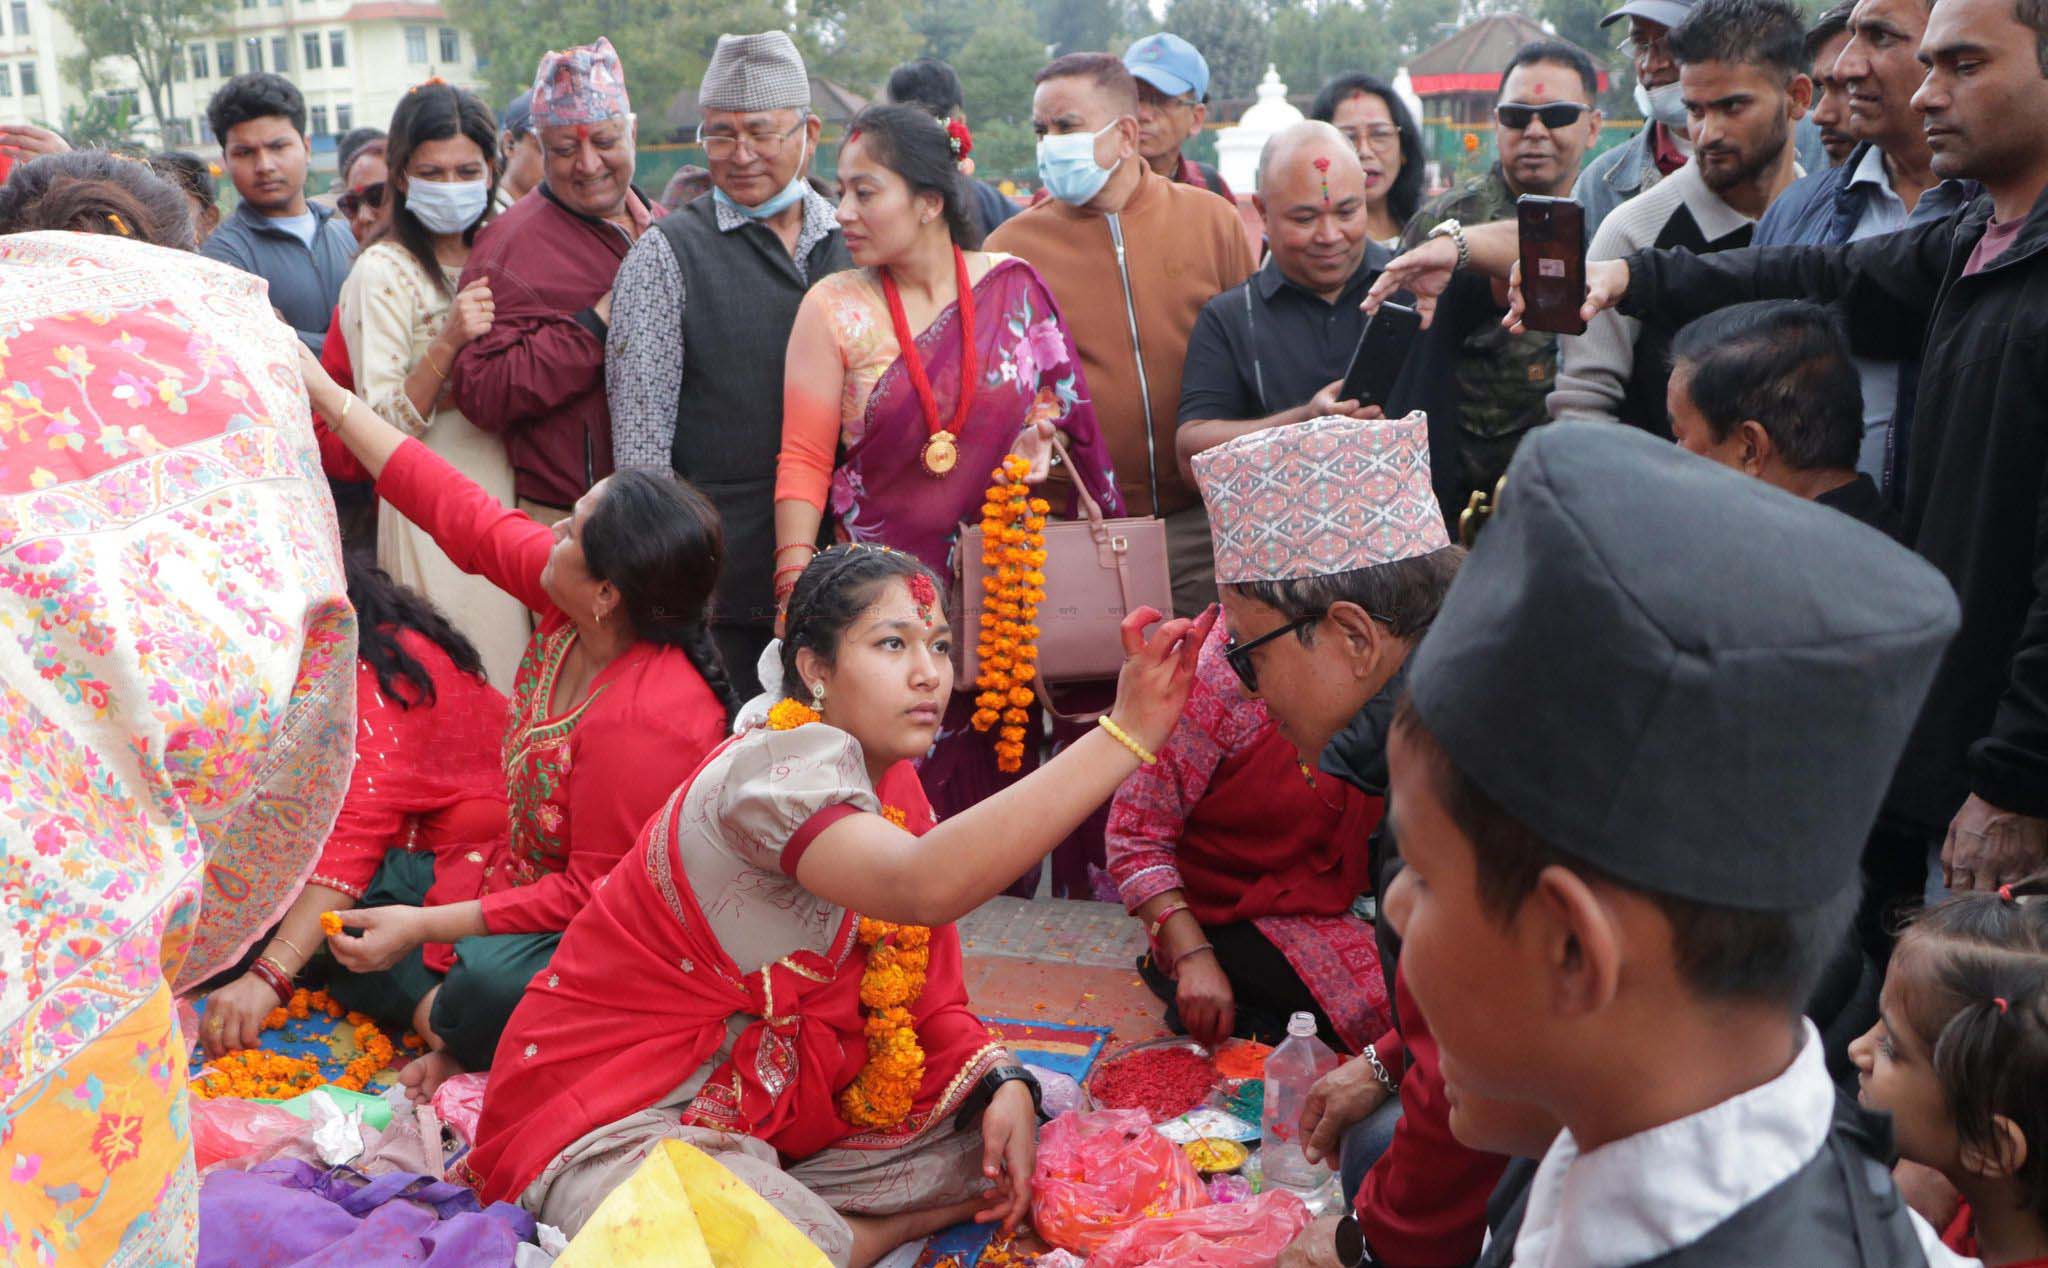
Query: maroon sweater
x=537, y=377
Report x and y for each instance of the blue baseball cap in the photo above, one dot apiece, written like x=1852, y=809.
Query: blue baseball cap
x=1170, y=64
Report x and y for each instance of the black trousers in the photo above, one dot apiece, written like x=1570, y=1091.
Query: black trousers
x=1265, y=987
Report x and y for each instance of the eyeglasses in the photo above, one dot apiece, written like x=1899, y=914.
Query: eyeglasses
x=1384, y=137
x=1240, y=654
x=1637, y=49
x=767, y=145
x=371, y=196
x=1555, y=115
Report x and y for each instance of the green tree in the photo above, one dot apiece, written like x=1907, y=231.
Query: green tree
x=1314, y=42
x=1233, y=38
x=1414, y=25
x=945, y=26
x=1079, y=26
x=151, y=34
x=995, y=68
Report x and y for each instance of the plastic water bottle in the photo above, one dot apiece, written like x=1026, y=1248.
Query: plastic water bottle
x=1291, y=1070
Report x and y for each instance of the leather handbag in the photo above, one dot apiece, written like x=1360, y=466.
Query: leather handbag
x=1097, y=571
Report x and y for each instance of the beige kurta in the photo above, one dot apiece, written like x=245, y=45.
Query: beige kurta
x=390, y=312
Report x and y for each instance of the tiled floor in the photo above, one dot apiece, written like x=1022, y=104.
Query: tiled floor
x=1057, y=960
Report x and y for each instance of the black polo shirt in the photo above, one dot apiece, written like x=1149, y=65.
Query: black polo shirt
x=1269, y=345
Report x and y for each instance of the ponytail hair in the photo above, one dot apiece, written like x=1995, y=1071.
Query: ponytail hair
x=831, y=592
x=1978, y=998
x=383, y=610
x=658, y=541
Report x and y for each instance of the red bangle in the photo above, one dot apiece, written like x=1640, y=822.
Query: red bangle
x=273, y=976
x=1153, y=929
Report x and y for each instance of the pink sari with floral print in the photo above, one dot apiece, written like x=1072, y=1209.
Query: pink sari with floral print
x=1028, y=369
x=176, y=710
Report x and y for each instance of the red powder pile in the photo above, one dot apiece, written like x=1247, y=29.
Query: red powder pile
x=1163, y=1082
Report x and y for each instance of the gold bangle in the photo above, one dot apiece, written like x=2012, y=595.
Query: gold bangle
x=347, y=404
x=293, y=945
x=1123, y=737
x=428, y=357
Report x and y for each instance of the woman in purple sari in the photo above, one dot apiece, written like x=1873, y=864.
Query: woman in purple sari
x=886, y=433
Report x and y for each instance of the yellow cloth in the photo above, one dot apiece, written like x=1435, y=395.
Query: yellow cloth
x=681, y=1209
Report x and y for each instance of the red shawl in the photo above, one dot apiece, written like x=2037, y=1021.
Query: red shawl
x=638, y=995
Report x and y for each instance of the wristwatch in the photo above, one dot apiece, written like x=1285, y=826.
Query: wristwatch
x=1351, y=1248
x=1455, y=232
x=985, y=1091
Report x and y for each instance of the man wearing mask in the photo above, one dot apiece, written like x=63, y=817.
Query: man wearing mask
x=703, y=313
x=1486, y=388
x=1273, y=351
x=1742, y=79
x=303, y=250
x=1663, y=145
x=1173, y=103
x=1887, y=183
x=537, y=376
x=520, y=149
x=1131, y=257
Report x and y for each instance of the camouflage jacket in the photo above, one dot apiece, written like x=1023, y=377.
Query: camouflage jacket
x=1499, y=380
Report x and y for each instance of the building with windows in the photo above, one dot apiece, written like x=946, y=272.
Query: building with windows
x=353, y=60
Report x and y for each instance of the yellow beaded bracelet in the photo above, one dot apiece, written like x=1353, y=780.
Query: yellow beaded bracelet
x=1122, y=737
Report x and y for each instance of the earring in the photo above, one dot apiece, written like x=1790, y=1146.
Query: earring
x=817, y=695
x=597, y=614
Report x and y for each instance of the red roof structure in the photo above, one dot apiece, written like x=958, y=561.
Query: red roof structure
x=1472, y=60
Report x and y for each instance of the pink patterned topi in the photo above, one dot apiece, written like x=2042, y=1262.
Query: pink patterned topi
x=581, y=85
x=1322, y=497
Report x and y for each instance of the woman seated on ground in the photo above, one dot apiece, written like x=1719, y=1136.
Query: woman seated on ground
x=427, y=782
x=620, y=695
x=797, y=1007
x=1243, y=864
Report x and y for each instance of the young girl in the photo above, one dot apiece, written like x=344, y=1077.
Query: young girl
x=1959, y=1059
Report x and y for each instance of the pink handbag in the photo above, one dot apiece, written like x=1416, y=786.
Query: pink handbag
x=1096, y=571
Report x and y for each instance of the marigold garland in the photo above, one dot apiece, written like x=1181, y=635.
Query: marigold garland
x=1013, y=550
x=881, y=1095
x=898, y=956
x=788, y=715
x=254, y=1074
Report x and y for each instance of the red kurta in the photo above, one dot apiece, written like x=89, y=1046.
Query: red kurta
x=1225, y=817
x=581, y=783
x=427, y=777
x=581, y=1053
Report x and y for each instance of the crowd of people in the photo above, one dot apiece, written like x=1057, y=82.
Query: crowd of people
x=1671, y=865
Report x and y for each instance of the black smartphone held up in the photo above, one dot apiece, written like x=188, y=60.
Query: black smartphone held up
x=1381, y=352
x=1553, y=233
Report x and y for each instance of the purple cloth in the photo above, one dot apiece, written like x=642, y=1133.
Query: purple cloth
x=289, y=1213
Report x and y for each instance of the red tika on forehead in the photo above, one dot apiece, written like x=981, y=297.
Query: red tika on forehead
x=1322, y=166
x=924, y=594
x=582, y=132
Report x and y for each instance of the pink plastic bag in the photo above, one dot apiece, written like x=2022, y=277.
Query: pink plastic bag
x=459, y=1102
x=228, y=1131
x=1101, y=1172
x=1240, y=1235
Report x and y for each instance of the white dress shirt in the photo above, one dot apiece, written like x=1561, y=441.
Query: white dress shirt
x=1651, y=1193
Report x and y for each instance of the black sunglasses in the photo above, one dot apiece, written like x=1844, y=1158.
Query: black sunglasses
x=371, y=195
x=1555, y=115
x=1240, y=654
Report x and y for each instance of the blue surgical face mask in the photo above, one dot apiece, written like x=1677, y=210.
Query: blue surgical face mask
x=776, y=204
x=1067, y=166
x=447, y=206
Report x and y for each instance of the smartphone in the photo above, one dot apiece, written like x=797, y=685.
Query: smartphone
x=1553, y=234
x=1381, y=352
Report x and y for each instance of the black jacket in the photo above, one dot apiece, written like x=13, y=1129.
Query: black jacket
x=1975, y=489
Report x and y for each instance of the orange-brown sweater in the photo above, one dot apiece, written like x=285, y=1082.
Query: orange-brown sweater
x=1182, y=246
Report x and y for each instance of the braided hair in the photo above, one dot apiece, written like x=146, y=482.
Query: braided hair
x=1976, y=993
x=384, y=608
x=830, y=594
x=658, y=540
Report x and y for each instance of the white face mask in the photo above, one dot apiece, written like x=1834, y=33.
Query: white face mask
x=1666, y=105
x=447, y=206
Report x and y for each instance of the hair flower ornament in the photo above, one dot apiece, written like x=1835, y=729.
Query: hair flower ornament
x=961, y=139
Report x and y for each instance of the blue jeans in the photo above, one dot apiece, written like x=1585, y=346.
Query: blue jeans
x=1364, y=1142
